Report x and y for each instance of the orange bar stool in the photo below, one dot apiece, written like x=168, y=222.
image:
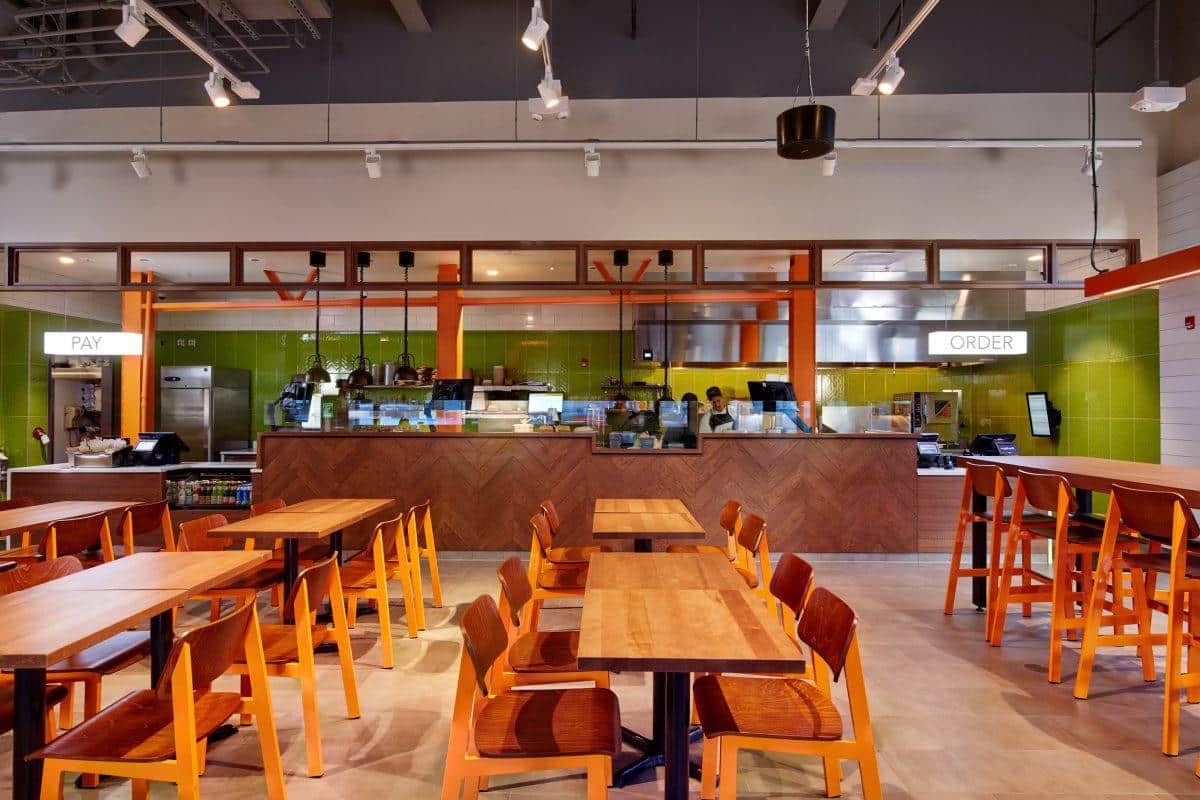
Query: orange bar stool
x=731, y=524
x=422, y=544
x=549, y=582
x=566, y=556
x=146, y=518
x=161, y=734
x=1164, y=519
x=989, y=481
x=499, y=732
x=754, y=560
x=792, y=716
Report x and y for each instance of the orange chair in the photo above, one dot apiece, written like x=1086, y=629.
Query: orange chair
x=792, y=716
x=365, y=577
x=146, y=518
x=419, y=526
x=566, y=556
x=193, y=537
x=290, y=649
x=548, y=581
x=731, y=523
x=534, y=657
x=87, y=538
x=754, y=559
x=161, y=734
x=1165, y=520
x=496, y=732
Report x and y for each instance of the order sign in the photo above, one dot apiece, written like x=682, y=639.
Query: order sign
x=978, y=343
x=91, y=343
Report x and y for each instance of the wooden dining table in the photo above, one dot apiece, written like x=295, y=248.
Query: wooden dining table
x=42, y=515
x=46, y=623
x=643, y=520
x=673, y=614
x=1087, y=475
x=310, y=520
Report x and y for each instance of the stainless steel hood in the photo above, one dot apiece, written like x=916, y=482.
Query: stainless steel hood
x=854, y=326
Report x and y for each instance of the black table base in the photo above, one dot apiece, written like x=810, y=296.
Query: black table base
x=668, y=745
x=642, y=545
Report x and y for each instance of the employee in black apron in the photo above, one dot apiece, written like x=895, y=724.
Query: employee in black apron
x=717, y=418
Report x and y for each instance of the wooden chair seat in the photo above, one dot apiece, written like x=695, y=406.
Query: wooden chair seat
x=358, y=573
x=563, y=579
x=112, y=655
x=563, y=722
x=55, y=694
x=574, y=555
x=22, y=554
x=545, y=651
x=1161, y=562
x=773, y=708
x=751, y=578
x=139, y=727
x=280, y=645
x=1077, y=533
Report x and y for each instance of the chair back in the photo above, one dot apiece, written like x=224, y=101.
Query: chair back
x=266, y=506
x=552, y=517
x=77, y=535
x=541, y=531
x=214, y=648
x=485, y=638
x=792, y=583
x=1152, y=513
x=731, y=517
x=515, y=587
x=146, y=518
x=16, y=502
x=754, y=528
x=388, y=532
x=25, y=577
x=983, y=477
x=827, y=626
x=1042, y=490
x=318, y=579
x=421, y=522
x=193, y=534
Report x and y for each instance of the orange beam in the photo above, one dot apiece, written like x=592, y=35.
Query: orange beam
x=137, y=372
x=802, y=341
x=603, y=270
x=312, y=276
x=1164, y=269
x=273, y=277
x=637, y=276
x=449, y=324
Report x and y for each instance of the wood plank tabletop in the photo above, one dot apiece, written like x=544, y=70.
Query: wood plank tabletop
x=1099, y=474
x=42, y=627
x=652, y=505
x=636, y=525
x=280, y=525
x=366, y=506
x=190, y=572
x=678, y=612
x=19, y=520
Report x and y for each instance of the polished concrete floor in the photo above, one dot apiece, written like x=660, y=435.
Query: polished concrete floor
x=953, y=717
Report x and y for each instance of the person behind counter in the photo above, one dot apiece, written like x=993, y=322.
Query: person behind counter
x=716, y=418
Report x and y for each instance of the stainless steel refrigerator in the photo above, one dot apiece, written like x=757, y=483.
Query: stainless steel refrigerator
x=208, y=407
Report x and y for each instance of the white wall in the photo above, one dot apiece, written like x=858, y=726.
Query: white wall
x=1179, y=348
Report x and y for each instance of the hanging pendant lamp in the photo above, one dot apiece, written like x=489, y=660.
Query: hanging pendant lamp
x=666, y=258
x=317, y=373
x=804, y=132
x=621, y=261
x=360, y=378
x=406, y=371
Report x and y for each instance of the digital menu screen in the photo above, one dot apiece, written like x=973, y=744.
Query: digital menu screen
x=1039, y=413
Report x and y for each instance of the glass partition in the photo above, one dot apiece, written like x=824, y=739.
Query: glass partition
x=756, y=266
x=181, y=266
x=868, y=264
x=642, y=266
x=66, y=267
x=995, y=264
x=523, y=266
x=291, y=266
x=1074, y=262
x=429, y=266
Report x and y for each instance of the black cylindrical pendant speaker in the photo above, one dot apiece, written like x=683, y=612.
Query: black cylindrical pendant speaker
x=805, y=131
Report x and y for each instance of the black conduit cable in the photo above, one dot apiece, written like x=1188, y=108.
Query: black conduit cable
x=1092, y=139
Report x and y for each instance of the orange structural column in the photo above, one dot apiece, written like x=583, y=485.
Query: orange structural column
x=137, y=372
x=802, y=339
x=449, y=324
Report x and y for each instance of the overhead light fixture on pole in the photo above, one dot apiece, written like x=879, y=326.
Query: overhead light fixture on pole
x=591, y=162
x=536, y=30
x=552, y=101
x=140, y=163
x=887, y=73
x=829, y=164
x=133, y=26
x=805, y=131
x=374, y=164
x=214, y=87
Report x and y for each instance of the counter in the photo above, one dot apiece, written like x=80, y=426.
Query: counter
x=818, y=493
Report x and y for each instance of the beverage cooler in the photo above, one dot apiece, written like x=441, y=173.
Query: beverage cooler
x=208, y=489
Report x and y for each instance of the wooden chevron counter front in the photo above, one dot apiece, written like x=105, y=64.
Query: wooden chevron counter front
x=820, y=493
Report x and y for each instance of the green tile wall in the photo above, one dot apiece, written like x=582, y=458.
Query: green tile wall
x=24, y=377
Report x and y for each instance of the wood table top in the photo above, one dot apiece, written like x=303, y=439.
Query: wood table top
x=42, y=627
x=281, y=525
x=633, y=525
x=678, y=612
x=19, y=520
x=341, y=505
x=650, y=505
x=190, y=572
x=1099, y=474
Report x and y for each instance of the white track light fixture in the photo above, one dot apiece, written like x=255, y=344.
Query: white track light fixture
x=536, y=30
x=891, y=76
x=215, y=86
x=133, y=26
x=245, y=90
x=374, y=164
x=829, y=164
x=591, y=162
x=140, y=163
x=1086, y=169
x=550, y=89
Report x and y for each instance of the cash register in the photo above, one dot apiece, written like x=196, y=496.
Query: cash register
x=930, y=455
x=995, y=444
x=156, y=448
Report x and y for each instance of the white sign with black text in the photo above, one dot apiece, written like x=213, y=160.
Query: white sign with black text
x=91, y=343
x=978, y=343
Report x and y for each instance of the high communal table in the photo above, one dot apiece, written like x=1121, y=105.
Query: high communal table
x=309, y=520
x=1087, y=475
x=673, y=614
x=643, y=521
x=55, y=620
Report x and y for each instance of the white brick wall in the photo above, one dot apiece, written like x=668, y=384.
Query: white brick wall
x=1179, y=348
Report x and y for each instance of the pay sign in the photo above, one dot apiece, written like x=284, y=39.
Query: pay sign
x=91, y=343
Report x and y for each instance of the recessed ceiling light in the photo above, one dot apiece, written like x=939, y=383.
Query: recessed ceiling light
x=493, y=273
x=255, y=260
x=66, y=260
x=1035, y=259
x=529, y=317
x=144, y=260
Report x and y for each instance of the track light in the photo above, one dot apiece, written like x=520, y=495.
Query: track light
x=140, y=163
x=215, y=86
x=591, y=162
x=829, y=164
x=892, y=75
x=550, y=89
x=1086, y=169
x=374, y=164
x=133, y=26
x=536, y=30
x=864, y=86
x=245, y=90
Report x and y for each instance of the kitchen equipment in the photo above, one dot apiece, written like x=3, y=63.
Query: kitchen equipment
x=389, y=373
x=208, y=407
x=498, y=375
x=930, y=412
x=81, y=396
x=377, y=374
